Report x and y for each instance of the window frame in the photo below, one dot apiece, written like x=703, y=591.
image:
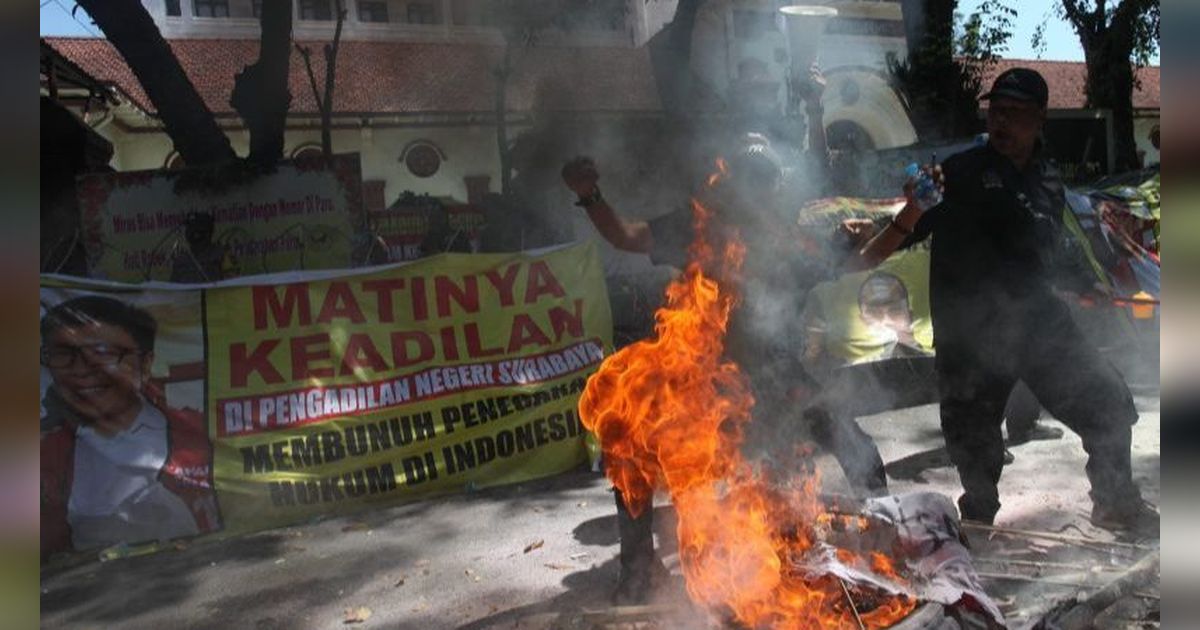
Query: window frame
x=421, y=6
x=376, y=5
x=212, y=6
x=313, y=6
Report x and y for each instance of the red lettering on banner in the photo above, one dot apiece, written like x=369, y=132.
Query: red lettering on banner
x=449, y=343
x=295, y=299
x=475, y=347
x=466, y=296
x=383, y=296
x=525, y=332
x=400, y=355
x=505, y=284
x=420, y=303
x=340, y=302
x=304, y=354
x=242, y=365
x=563, y=321
x=361, y=352
x=542, y=281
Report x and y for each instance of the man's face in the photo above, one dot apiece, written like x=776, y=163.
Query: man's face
x=1014, y=125
x=892, y=315
x=98, y=370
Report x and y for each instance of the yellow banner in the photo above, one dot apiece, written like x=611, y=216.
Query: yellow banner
x=454, y=372
x=172, y=410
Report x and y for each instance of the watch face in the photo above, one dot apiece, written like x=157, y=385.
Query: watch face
x=422, y=160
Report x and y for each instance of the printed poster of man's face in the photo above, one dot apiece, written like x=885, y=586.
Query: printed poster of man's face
x=124, y=440
x=884, y=308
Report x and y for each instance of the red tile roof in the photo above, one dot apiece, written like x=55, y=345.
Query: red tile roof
x=1067, y=78
x=404, y=77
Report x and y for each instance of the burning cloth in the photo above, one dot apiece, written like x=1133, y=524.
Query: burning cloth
x=929, y=538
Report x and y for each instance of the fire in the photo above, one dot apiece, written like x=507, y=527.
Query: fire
x=669, y=412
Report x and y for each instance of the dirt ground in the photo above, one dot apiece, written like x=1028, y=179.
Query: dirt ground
x=543, y=554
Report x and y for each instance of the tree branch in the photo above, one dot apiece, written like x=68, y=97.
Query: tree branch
x=306, y=54
x=331, y=51
x=187, y=119
x=260, y=91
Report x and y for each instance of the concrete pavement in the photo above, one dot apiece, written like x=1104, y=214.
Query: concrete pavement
x=524, y=555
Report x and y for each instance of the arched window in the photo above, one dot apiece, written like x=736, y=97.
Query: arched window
x=846, y=135
x=309, y=151
x=422, y=157
x=174, y=161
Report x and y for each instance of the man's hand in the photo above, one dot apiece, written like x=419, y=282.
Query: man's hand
x=934, y=171
x=812, y=89
x=857, y=231
x=580, y=175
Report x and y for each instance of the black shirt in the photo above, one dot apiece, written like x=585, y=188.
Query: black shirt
x=998, y=248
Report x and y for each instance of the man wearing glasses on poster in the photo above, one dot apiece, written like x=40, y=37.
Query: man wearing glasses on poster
x=117, y=464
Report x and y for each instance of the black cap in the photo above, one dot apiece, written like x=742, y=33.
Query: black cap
x=1022, y=84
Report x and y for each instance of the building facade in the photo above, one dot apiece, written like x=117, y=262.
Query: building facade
x=415, y=83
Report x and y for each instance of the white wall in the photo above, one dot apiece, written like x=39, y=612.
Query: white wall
x=242, y=25
x=1141, y=133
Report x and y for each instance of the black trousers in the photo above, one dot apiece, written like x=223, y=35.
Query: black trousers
x=637, y=536
x=1022, y=411
x=1070, y=379
x=820, y=415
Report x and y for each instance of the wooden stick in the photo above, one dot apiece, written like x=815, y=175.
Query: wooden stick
x=1082, y=615
x=853, y=608
x=1036, y=580
x=622, y=612
x=1053, y=565
x=1055, y=537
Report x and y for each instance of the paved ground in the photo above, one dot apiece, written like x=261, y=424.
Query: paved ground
x=523, y=555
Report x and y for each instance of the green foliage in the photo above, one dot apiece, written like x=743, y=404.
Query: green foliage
x=983, y=37
x=1135, y=22
x=942, y=77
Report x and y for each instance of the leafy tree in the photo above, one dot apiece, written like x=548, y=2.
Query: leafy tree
x=1117, y=38
x=522, y=24
x=947, y=57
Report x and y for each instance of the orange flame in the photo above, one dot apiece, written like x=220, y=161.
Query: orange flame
x=670, y=410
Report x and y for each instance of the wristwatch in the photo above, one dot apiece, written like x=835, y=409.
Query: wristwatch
x=590, y=200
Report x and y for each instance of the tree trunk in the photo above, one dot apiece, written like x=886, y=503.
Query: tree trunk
x=331, y=51
x=503, y=72
x=941, y=106
x=1108, y=52
x=187, y=120
x=1112, y=75
x=260, y=91
x=679, y=55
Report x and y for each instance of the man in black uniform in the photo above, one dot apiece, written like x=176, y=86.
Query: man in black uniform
x=997, y=315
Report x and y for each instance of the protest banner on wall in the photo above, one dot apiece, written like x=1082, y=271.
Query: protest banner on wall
x=302, y=216
x=871, y=315
x=318, y=392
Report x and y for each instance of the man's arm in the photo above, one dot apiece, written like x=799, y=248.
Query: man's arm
x=581, y=176
x=811, y=93
x=909, y=226
x=886, y=242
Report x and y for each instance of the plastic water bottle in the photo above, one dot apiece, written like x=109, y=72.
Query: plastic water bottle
x=925, y=191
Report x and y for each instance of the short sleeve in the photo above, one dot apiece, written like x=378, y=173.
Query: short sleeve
x=672, y=233
x=925, y=225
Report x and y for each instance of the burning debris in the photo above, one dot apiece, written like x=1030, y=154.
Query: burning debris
x=755, y=549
